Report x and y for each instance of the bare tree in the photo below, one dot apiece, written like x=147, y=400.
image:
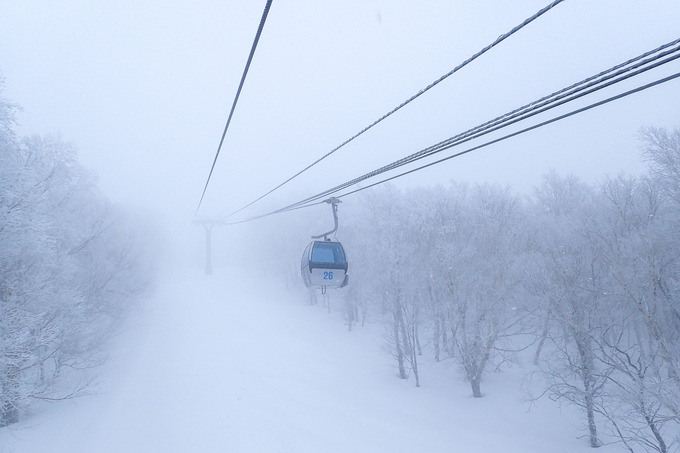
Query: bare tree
x=570, y=280
x=484, y=303
x=641, y=341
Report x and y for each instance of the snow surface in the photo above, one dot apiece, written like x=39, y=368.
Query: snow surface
x=228, y=364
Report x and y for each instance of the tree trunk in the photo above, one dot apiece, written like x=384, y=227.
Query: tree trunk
x=408, y=347
x=349, y=314
x=592, y=427
x=476, y=388
x=414, y=356
x=587, y=376
x=657, y=435
x=414, y=364
x=417, y=340
x=544, y=336
x=397, y=322
x=437, y=337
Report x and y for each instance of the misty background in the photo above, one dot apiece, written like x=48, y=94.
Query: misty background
x=569, y=228
x=143, y=91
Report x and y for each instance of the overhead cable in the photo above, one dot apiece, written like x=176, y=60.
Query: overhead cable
x=238, y=93
x=607, y=78
x=409, y=100
x=514, y=134
x=631, y=68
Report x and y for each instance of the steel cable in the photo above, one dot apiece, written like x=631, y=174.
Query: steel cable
x=408, y=101
x=238, y=93
x=585, y=87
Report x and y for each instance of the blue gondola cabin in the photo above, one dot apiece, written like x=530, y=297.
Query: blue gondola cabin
x=324, y=264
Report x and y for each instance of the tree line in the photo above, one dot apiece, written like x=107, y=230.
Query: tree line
x=71, y=267
x=583, y=279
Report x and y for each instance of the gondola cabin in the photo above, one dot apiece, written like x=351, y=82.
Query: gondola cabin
x=324, y=264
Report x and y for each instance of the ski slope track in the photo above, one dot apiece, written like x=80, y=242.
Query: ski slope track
x=227, y=363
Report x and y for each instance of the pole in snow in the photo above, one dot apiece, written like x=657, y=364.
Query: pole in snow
x=208, y=225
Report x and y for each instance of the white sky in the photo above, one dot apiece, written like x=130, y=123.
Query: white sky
x=143, y=89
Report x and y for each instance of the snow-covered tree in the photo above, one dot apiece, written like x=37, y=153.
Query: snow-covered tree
x=569, y=281
x=591, y=273
x=487, y=293
x=641, y=341
x=662, y=150
x=605, y=261
x=70, y=267
x=444, y=260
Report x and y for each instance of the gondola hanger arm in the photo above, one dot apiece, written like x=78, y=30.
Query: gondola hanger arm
x=333, y=201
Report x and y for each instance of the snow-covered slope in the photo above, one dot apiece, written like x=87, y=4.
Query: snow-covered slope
x=229, y=364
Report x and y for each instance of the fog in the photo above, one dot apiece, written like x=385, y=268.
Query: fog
x=484, y=275
x=143, y=91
